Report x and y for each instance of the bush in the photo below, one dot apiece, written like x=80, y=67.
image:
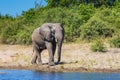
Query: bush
x=23, y=38
x=96, y=28
x=98, y=46
x=74, y=19
x=8, y=34
x=115, y=42
x=80, y=21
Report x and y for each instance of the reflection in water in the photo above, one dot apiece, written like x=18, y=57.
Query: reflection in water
x=34, y=75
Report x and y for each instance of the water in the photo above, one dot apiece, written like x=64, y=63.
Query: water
x=33, y=75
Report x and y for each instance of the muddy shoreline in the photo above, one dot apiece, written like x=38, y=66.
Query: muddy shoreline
x=60, y=69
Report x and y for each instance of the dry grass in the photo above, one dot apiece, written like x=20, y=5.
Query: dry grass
x=73, y=56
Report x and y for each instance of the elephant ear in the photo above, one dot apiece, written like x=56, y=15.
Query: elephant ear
x=46, y=34
x=42, y=34
x=52, y=30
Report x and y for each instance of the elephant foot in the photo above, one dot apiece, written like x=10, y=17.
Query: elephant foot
x=33, y=62
x=58, y=62
x=40, y=63
x=51, y=64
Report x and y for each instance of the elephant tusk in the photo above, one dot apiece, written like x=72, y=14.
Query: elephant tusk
x=56, y=40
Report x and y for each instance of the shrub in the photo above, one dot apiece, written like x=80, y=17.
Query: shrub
x=74, y=19
x=98, y=46
x=80, y=21
x=115, y=42
x=23, y=38
x=96, y=28
x=8, y=34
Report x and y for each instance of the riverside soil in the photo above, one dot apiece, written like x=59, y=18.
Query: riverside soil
x=75, y=57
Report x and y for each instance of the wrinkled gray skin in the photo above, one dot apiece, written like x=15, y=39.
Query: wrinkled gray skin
x=46, y=37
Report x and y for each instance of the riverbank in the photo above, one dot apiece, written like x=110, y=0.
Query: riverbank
x=75, y=57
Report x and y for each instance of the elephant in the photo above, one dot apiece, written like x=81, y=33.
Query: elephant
x=45, y=37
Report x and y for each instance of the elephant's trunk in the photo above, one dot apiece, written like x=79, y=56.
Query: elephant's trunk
x=59, y=51
x=59, y=36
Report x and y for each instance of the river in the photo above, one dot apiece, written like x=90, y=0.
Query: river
x=35, y=75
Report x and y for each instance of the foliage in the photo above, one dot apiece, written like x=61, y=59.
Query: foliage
x=75, y=19
x=80, y=21
x=96, y=28
x=104, y=23
x=98, y=46
x=69, y=3
x=115, y=42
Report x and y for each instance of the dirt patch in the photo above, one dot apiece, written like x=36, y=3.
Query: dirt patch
x=75, y=57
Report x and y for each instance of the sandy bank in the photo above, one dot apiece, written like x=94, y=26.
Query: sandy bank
x=75, y=57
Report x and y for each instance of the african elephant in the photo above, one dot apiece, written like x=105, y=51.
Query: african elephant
x=46, y=37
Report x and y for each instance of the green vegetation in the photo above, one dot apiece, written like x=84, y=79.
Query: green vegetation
x=115, y=42
x=83, y=21
x=98, y=46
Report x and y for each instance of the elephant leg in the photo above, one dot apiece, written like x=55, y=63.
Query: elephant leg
x=54, y=47
x=33, y=61
x=49, y=47
x=39, y=57
x=36, y=54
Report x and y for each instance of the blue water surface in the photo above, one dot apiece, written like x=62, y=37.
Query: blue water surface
x=35, y=75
